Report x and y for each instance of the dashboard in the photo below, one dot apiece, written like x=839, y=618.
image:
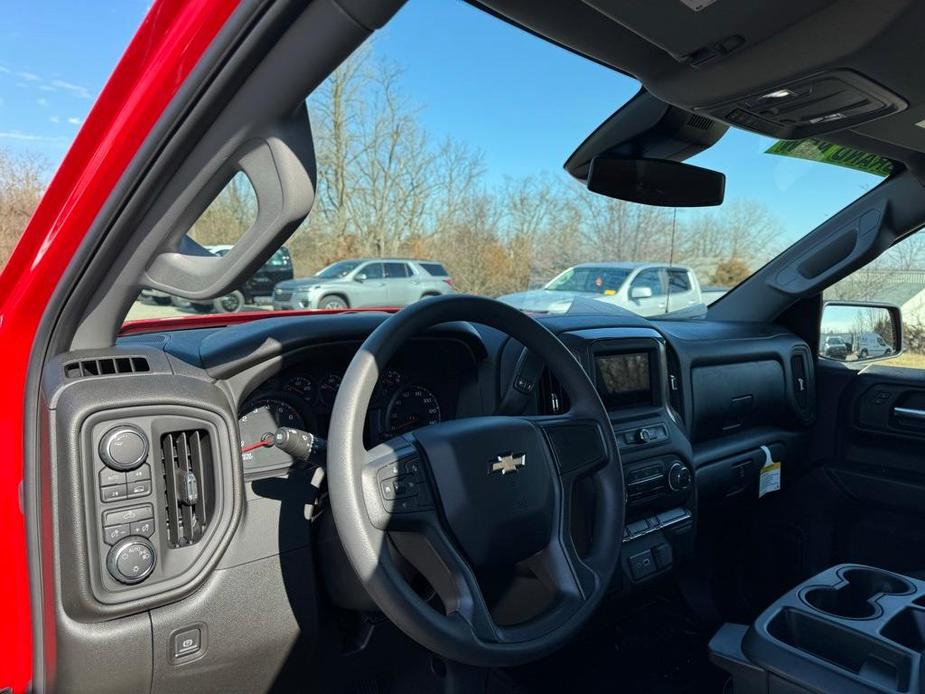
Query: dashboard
x=164, y=515
x=422, y=385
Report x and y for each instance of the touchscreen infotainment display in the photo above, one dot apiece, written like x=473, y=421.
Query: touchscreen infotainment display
x=623, y=380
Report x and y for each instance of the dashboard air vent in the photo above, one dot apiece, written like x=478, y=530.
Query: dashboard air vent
x=553, y=398
x=106, y=366
x=187, y=462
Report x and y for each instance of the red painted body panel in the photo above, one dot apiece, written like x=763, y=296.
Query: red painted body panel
x=220, y=320
x=169, y=43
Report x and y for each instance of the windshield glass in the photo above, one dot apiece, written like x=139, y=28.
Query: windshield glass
x=471, y=179
x=337, y=270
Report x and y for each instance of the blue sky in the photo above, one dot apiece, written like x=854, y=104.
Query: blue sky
x=524, y=103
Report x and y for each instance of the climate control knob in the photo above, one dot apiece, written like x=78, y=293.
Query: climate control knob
x=679, y=477
x=131, y=560
x=124, y=447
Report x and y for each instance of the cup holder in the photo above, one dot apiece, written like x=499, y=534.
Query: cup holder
x=855, y=597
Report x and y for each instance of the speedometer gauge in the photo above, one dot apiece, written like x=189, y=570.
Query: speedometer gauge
x=412, y=407
x=264, y=416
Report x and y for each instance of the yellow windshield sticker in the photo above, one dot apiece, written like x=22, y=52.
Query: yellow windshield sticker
x=812, y=149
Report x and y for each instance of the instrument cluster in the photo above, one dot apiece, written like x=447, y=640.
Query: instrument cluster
x=416, y=390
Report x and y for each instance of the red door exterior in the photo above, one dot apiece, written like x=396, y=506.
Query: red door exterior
x=169, y=43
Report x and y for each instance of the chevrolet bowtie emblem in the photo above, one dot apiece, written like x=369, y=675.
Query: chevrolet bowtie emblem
x=509, y=462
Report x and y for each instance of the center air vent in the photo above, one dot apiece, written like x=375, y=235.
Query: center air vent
x=186, y=457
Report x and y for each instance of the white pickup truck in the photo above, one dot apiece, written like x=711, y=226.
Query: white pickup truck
x=648, y=289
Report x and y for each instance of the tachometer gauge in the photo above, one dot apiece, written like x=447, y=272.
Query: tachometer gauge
x=327, y=389
x=390, y=380
x=303, y=386
x=263, y=416
x=387, y=384
x=411, y=407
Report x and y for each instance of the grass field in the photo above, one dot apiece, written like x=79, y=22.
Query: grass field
x=909, y=360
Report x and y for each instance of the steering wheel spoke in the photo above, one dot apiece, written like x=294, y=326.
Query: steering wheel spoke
x=434, y=554
x=577, y=444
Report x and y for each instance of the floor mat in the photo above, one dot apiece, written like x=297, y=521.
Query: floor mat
x=652, y=647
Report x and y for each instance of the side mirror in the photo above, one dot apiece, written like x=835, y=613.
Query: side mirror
x=360, y=278
x=860, y=331
x=641, y=293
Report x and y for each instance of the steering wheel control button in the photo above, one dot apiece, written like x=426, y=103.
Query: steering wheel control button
x=116, y=492
x=108, y=477
x=131, y=560
x=142, y=472
x=523, y=384
x=144, y=528
x=113, y=533
x=128, y=515
x=187, y=642
x=124, y=447
x=137, y=489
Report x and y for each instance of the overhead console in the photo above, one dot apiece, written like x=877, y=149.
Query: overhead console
x=831, y=100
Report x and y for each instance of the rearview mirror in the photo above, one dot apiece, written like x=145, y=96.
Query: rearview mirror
x=860, y=331
x=656, y=182
x=360, y=278
x=641, y=293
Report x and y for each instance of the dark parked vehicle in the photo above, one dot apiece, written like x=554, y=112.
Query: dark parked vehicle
x=834, y=347
x=257, y=290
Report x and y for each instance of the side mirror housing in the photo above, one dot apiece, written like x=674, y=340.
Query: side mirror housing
x=860, y=331
x=359, y=278
x=641, y=293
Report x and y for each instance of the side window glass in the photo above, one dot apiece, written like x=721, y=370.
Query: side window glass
x=649, y=279
x=678, y=281
x=896, y=278
x=373, y=271
x=393, y=270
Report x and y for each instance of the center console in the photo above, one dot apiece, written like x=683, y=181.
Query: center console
x=852, y=628
x=629, y=369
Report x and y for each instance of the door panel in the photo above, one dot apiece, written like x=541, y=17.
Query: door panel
x=371, y=292
x=876, y=458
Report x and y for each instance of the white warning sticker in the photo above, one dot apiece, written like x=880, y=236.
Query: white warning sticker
x=769, y=478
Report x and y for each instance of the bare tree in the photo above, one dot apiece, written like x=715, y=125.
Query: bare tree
x=21, y=187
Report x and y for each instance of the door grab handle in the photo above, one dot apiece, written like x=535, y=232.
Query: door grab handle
x=909, y=412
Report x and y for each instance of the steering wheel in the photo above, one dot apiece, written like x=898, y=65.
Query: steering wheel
x=470, y=499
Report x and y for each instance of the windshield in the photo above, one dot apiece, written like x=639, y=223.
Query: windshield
x=463, y=189
x=337, y=270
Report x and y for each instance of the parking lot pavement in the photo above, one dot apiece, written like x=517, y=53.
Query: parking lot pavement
x=143, y=311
